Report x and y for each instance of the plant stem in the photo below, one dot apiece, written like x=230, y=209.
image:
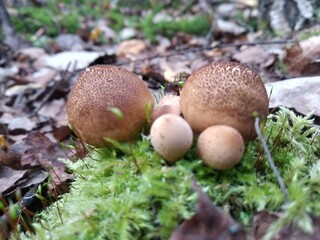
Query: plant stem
x=271, y=162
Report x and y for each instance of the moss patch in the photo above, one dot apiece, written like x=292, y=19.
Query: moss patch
x=129, y=192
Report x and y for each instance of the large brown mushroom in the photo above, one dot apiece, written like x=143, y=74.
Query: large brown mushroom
x=108, y=102
x=224, y=93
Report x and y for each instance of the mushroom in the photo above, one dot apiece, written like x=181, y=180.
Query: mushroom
x=220, y=147
x=108, y=102
x=171, y=136
x=168, y=104
x=224, y=93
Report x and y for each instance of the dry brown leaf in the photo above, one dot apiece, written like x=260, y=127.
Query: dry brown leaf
x=209, y=222
x=56, y=110
x=303, y=94
x=132, y=47
x=302, y=54
x=262, y=221
x=253, y=55
x=9, y=176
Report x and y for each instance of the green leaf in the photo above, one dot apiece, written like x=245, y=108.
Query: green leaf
x=117, y=112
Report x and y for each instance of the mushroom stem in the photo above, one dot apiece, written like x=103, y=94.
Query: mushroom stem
x=270, y=160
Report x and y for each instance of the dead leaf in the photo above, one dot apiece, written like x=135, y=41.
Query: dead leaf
x=229, y=27
x=130, y=48
x=56, y=110
x=9, y=176
x=21, y=89
x=153, y=76
x=209, y=222
x=302, y=54
x=312, y=69
x=21, y=124
x=3, y=142
x=253, y=55
x=33, y=52
x=303, y=94
x=68, y=42
x=61, y=133
x=78, y=60
x=10, y=159
x=263, y=220
x=43, y=76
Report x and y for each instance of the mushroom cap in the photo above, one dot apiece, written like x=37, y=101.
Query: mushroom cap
x=220, y=147
x=98, y=90
x=169, y=99
x=224, y=93
x=168, y=104
x=171, y=136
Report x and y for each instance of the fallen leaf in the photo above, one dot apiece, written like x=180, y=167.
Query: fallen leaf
x=21, y=89
x=9, y=176
x=132, y=47
x=253, y=55
x=10, y=159
x=3, y=142
x=303, y=94
x=33, y=52
x=229, y=27
x=209, y=222
x=56, y=110
x=263, y=220
x=21, y=123
x=69, y=42
x=77, y=59
x=43, y=76
x=300, y=55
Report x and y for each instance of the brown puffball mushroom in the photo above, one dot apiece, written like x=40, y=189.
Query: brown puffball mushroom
x=98, y=91
x=171, y=136
x=224, y=93
x=168, y=104
x=220, y=147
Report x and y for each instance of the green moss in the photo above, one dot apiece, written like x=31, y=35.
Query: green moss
x=34, y=19
x=56, y=16
x=197, y=25
x=129, y=192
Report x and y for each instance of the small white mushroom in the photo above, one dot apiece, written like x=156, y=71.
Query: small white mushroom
x=220, y=147
x=168, y=104
x=171, y=136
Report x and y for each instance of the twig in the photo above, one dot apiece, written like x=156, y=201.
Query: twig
x=25, y=202
x=271, y=162
x=46, y=98
x=203, y=48
x=8, y=31
x=186, y=7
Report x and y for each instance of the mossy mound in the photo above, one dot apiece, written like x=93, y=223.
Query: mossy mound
x=129, y=192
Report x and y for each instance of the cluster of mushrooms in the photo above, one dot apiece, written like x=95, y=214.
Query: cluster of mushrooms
x=215, y=107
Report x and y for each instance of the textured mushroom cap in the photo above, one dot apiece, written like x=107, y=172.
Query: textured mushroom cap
x=220, y=146
x=224, y=93
x=168, y=104
x=97, y=91
x=171, y=136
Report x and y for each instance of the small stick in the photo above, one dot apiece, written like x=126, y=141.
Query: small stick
x=271, y=162
x=25, y=202
x=50, y=92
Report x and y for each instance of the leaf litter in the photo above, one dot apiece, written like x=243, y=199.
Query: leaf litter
x=31, y=73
